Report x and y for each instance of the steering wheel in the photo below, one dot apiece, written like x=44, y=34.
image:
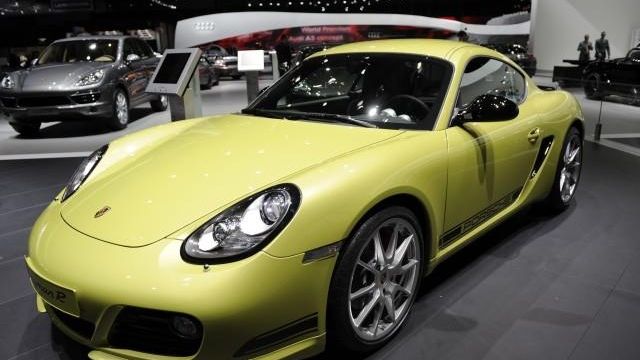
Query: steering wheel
x=410, y=105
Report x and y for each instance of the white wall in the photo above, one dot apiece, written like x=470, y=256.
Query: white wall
x=557, y=26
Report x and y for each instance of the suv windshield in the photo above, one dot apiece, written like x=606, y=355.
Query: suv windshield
x=382, y=90
x=81, y=50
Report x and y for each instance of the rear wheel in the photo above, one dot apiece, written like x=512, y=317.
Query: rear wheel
x=26, y=129
x=592, y=87
x=375, y=281
x=120, y=111
x=567, y=173
x=159, y=104
x=236, y=77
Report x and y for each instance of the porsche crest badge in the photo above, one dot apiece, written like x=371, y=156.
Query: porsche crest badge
x=102, y=211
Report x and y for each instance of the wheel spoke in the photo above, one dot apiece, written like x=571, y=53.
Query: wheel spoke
x=367, y=267
x=402, y=250
x=409, y=266
x=574, y=153
x=390, y=307
x=391, y=249
x=367, y=309
x=376, y=320
x=393, y=288
x=363, y=291
x=379, y=252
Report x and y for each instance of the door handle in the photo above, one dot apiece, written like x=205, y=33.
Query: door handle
x=533, y=135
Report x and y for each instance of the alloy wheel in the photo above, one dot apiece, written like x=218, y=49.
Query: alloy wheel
x=164, y=101
x=122, y=108
x=384, y=279
x=570, y=172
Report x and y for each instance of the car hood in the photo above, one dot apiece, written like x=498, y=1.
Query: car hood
x=205, y=168
x=54, y=77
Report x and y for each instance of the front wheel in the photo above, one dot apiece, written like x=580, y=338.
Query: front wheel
x=120, y=111
x=567, y=173
x=375, y=281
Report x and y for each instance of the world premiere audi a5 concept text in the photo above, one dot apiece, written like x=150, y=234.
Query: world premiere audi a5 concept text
x=309, y=219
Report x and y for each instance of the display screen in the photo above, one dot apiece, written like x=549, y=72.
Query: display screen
x=172, y=67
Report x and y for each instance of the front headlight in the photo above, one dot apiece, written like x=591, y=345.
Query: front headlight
x=244, y=228
x=91, y=78
x=83, y=172
x=219, y=62
x=7, y=82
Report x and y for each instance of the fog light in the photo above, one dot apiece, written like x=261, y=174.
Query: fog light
x=185, y=327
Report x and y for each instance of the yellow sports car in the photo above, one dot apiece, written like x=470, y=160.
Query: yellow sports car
x=309, y=219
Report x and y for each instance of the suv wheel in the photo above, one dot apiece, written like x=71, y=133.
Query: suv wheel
x=120, y=111
x=160, y=104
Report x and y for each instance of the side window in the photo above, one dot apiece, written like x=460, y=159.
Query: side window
x=145, y=50
x=130, y=48
x=489, y=76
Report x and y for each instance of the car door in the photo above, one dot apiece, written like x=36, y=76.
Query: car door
x=135, y=75
x=489, y=162
x=628, y=77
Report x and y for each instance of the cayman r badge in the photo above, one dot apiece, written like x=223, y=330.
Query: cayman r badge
x=102, y=211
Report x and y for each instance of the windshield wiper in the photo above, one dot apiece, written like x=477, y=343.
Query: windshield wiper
x=293, y=115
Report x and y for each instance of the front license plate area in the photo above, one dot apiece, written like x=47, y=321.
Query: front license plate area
x=59, y=297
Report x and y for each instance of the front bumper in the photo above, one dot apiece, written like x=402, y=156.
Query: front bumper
x=227, y=70
x=57, y=106
x=240, y=305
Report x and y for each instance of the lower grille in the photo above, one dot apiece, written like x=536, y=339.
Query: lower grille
x=79, y=326
x=86, y=98
x=151, y=331
x=43, y=101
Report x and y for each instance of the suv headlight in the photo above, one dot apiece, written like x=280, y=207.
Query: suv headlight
x=91, y=78
x=83, y=171
x=244, y=228
x=7, y=82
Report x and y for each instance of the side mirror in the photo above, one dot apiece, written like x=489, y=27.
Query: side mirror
x=132, y=58
x=488, y=108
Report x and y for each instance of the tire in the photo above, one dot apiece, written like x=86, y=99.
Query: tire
x=236, y=77
x=354, y=273
x=26, y=129
x=159, y=104
x=593, y=87
x=568, y=172
x=120, y=110
x=208, y=85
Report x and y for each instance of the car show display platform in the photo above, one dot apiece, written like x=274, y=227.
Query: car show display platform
x=536, y=287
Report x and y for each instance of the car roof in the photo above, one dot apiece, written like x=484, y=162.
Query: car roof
x=95, y=37
x=428, y=47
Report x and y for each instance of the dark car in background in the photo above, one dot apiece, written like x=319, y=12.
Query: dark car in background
x=225, y=63
x=619, y=77
x=93, y=77
x=519, y=54
x=208, y=74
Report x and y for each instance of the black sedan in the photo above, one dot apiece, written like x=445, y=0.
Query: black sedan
x=94, y=77
x=616, y=77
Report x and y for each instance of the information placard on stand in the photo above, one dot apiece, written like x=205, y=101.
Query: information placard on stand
x=175, y=77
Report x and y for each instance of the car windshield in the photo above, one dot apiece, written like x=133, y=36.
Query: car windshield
x=397, y=91
x=81, y=50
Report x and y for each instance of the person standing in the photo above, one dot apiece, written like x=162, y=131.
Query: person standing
x=602, y=48
x=585, y=47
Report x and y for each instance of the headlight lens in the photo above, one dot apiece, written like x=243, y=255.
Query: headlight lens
x=91, y=78
x=244, y=228
x=219, y=62
x=7, y=82
x=83, y=172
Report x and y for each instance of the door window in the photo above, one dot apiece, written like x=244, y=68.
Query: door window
x=485, y=75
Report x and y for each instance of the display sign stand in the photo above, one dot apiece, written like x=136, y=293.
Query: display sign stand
x=251, y=62
x=176, y=77
x=253, y=86
x=189, y=105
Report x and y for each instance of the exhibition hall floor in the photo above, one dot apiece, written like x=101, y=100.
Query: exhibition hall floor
x=536, y=287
